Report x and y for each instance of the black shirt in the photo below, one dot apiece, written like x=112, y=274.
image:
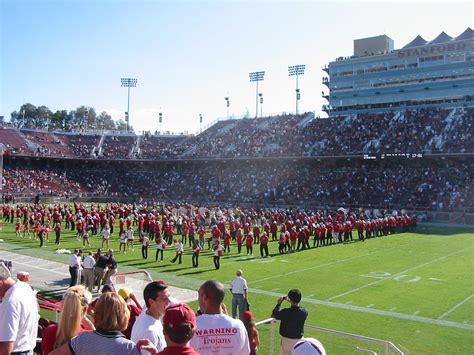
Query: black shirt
x=102, y=262
x=112, y=263
x=291, y=321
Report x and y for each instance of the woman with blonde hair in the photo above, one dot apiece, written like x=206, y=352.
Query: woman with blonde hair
x=72, y=319
x=110, y=318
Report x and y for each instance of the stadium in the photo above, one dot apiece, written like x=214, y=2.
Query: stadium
x=377, y=195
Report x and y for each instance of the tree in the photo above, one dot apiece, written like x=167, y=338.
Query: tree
x=84, y=118
x=24, y=117
x=41, y=117
x=60, y=120
x=121, y=125
x=105, y=122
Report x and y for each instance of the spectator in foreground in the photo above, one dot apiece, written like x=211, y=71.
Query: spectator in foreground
x=72, y=319
x=252, y=332
x=179, y=326
x=291, y=321
x=18, y=315
x=308, y=346
x=213, y=320
x=110, y=318
x=148, y=324
x=133, y=306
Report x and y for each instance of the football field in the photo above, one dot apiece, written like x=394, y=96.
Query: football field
x=413, y=289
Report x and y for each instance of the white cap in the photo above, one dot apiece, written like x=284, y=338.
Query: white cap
x=308, y=346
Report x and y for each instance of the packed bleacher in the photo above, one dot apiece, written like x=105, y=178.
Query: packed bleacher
x=427, y=131
x=434, y=185
x=80, y=145
x=118, y=147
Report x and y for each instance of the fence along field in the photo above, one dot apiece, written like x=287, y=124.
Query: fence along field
x=413, y=289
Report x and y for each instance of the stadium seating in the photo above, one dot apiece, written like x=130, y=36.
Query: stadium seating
x=12, y=139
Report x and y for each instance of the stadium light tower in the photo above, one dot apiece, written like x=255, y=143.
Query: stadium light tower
x=160, y=119
x=128, y=83
x=261, y=103
x=296, y=70
x=200, y=123
x=227, y=99
x=256, y=76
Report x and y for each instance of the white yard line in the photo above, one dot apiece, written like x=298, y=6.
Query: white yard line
x=455, y=307
x=321, y=265
x=398, y=274
x=379, y=312
x=44, y=269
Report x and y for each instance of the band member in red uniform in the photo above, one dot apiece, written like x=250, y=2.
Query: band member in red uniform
x=264, y=245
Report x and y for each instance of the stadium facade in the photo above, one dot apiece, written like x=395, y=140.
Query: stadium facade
x=379, y=78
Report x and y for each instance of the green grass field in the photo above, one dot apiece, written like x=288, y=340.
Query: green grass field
x=413, y=289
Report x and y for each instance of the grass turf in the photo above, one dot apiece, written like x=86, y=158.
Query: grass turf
x=414, y=289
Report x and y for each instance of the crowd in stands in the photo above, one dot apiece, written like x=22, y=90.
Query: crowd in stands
x=427, y=131
x=47, y=144
x=39, y=181
x=158, y=147
x=81, y=146
x=441, y=185
x=119, y=147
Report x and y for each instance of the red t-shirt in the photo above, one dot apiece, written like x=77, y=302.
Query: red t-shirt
x=134, y=313
x=178, y=350
x=49, y=337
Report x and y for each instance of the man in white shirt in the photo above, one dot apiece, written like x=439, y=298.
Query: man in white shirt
x=239, y=288
x=232, y=336
x=18, y=316
x=75, y=267
x=89, y=263
x=148, y=324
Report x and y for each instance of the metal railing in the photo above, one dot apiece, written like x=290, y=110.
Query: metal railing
x=389, y=347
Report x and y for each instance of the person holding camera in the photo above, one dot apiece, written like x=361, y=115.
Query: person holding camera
x=291, y=320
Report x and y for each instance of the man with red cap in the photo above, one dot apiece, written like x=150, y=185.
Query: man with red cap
x=179, y=326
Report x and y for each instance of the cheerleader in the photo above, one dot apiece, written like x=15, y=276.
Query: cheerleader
x=18, y=228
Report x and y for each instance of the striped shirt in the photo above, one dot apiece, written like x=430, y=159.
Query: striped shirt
x=102, y=342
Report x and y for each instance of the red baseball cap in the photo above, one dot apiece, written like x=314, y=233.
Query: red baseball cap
x=179, y=317
x=247, y=315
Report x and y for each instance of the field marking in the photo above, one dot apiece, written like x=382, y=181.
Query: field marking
x=455, y=307
x=379, y=312
x=392, y=309
x=327, y=264
x=398, y=274
x=370, y=305
x=416, y=313
x=44, y=269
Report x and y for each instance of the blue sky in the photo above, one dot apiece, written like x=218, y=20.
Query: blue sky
x=189, y=55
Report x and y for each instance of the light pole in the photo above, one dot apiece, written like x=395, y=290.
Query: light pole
x=296, y=70
x=160, y=120
x=256, y=76
x=261, y=104
x=86, y=119
x=200, y=123
x=227, y=99
x=128, y=83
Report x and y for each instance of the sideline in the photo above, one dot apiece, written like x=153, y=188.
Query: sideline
x=399, y=273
